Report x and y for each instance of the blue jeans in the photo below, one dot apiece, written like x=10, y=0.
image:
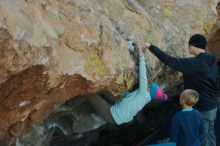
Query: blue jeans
x=217, y=126
x=208, y=138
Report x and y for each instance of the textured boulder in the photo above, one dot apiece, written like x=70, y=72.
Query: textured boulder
x=53, y=50
x=214, y=35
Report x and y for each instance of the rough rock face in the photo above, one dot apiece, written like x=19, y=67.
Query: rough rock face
x=53, y=50
x=214, y=35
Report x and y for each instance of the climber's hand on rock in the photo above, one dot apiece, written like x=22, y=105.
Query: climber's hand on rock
x=140, y=52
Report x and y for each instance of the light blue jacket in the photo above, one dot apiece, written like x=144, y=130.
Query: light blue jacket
x=131, y=103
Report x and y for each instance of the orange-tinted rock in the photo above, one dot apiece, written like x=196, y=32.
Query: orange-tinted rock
x=17, y=128
x=218, y=10
x=51, y=51
x=214, y=35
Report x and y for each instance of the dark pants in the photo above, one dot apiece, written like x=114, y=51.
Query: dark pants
x=217, y=126
x=102, y=107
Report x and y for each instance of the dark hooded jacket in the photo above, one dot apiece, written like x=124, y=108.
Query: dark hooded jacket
x=200, y=73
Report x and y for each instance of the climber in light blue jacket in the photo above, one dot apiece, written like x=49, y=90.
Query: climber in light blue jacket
x=131, y=103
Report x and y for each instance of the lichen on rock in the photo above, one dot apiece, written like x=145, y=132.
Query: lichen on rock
x=52, y=51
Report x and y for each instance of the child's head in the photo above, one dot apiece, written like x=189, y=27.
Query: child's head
x=189, y=97
x=157, y=93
